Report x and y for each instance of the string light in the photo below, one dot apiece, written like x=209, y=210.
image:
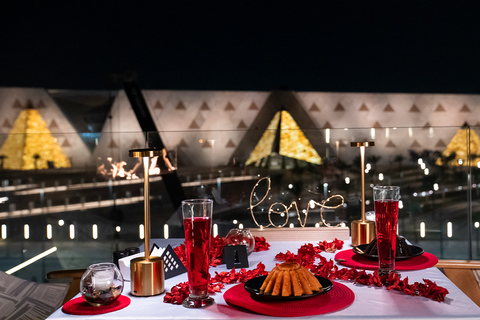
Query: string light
x=274, y=208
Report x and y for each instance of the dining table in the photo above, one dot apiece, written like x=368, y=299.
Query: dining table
x=366, y=301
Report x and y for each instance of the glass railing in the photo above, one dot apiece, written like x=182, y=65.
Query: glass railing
x=94, y=205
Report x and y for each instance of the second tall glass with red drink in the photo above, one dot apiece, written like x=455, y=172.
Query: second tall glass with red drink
x=197, y=221
x=386, y=215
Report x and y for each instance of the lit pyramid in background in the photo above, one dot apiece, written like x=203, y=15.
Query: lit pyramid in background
x=459, y=144
x=30, y=145
x=291, y=139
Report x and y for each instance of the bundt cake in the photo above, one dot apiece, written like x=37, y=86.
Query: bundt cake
x=403, y=249
x=290, y=279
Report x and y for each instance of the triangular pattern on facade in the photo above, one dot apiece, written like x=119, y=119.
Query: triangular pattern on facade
x=377, y=125
x=229, y=107
x=388, y=108
x=327, y=125
x=205, y=107
x=182, y=143
x=465, y=108
x=112, y=144
x=339, y=107
x=390, y=144
x=241, y=125
x=230, y=144
x=440, y=108
x=158, y=106
x=135, y=144
x=66, y=144
x=415, y=144
x=6, y=124
x=414, y=108
x=30, y=145
x=180, y=106
x=314, y=108
x=427, y=125
x=440, y=144
x=53, y=125
x=206, y=144
x=253, y=106
x=363, y=107
x=194, y=125
x=17, y=104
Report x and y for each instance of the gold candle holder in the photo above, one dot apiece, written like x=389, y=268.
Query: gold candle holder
x=363, y=230
x=147, y=273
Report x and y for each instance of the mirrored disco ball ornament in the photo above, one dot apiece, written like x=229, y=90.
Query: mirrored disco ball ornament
x=237, y=237
x=101, y=284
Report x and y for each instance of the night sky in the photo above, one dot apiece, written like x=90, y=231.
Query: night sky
x=346, y=46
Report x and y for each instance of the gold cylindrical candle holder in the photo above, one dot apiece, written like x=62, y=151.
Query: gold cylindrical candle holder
x=147, y=276
x=363, y=230
x=147, y=273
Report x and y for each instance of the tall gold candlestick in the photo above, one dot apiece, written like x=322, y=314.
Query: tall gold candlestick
x=147, y=273
x=362, y=231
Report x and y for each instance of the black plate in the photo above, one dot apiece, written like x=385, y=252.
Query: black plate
x=416, y=251
x=253, y=287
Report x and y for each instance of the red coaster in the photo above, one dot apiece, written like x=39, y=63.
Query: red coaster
x=354, y=260
x=336, y=299
x=78, y=306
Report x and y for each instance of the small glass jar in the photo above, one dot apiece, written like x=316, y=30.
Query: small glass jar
x=239, y=237
x=101, y=284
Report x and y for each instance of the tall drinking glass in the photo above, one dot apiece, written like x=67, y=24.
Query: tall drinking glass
x=386, y=216
x=197, y=221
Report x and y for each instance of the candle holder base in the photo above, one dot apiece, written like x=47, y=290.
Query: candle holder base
x=147, y=276
x=363, y=232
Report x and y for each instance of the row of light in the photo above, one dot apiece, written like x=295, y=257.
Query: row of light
x=449, y=229
x=387, y=133
x=166, y=229
x=49, y=233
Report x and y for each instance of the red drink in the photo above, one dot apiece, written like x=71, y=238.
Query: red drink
x=386, y=215
x=197, y=243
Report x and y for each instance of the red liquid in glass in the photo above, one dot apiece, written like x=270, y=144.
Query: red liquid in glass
x=197, y=236
x=386, y=215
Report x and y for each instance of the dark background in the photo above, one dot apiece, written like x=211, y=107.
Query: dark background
x=349, y=46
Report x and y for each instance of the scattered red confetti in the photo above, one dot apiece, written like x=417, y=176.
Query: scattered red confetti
x=180, y=291
x=328, y=269
x=306, y=255
x=261, y=244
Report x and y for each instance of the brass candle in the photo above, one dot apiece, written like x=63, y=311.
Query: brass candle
x=362, y=231
x=147, y=273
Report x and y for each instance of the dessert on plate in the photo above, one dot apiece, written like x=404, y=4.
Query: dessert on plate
x=290, y=279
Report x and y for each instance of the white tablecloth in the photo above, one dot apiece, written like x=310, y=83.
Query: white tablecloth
x=370, y=302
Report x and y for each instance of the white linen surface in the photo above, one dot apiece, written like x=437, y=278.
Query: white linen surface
x=370, y=302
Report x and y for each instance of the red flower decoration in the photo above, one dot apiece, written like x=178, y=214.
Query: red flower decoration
x=261, y=244
x=179, y=292
x=307, y=253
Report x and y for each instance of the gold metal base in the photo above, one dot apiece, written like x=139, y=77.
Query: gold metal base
x=147, y=276
x=363, y=232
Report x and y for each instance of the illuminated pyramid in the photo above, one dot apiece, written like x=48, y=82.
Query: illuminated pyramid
x=458, y=144
x=291, y=139
x=30, y=145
